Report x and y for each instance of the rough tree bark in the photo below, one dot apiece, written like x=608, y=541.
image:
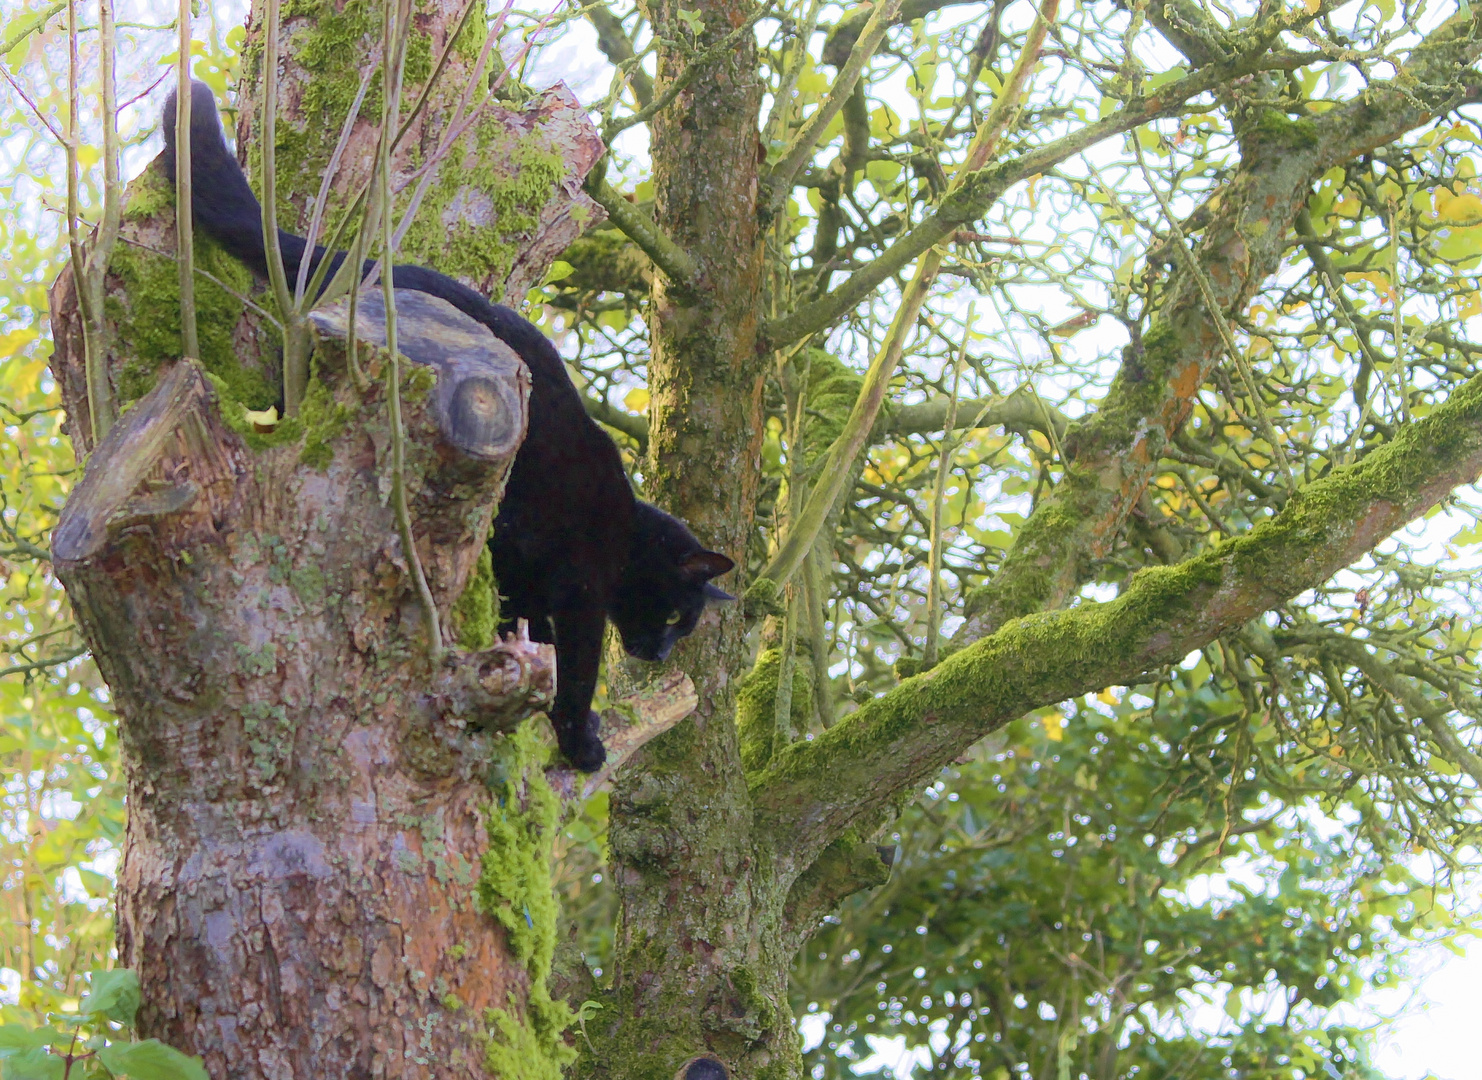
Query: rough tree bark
x=335, y=856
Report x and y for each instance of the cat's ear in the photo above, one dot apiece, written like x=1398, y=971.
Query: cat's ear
x=714, y=593
x=704, y=565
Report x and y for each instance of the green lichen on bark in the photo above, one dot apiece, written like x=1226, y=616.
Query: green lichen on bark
x=1279, y=128
x=514, y=888
x=332, y=44
x=476, y=612
x=756, y=705
x=323, y=420
x=461, y=248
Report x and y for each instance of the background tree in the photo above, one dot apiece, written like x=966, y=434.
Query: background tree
x=1022, y=360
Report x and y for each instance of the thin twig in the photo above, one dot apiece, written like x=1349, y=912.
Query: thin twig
x=944, y=469
x=213, y=279
x=184, y=220
x=321, y=201
x=393, y=50
x=779, y=180
x=837, y=468
x=41, y=665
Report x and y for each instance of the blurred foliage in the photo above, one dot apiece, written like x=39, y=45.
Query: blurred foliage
x=1115, y=893
x=90, y=1041
x=61, y=788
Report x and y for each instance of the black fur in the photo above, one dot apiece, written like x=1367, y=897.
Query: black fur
x=571, y=544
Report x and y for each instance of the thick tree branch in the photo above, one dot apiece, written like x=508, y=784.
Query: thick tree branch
x=1019, y=411
x=640, y=228
x=1114, y=454
x=815, y=790
x=982, y=188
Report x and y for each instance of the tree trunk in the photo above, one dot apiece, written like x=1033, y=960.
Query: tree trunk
x=337, y=856
x=700, y=967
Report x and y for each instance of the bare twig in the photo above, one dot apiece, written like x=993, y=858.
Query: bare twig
x=837, y=468
x=397, y=16
x=184, y=220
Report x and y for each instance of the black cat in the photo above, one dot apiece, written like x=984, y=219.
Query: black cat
x=571, y=545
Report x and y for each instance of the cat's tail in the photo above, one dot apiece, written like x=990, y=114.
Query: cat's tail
x=222, y=201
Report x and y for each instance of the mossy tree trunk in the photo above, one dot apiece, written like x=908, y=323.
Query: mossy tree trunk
x=337, y=854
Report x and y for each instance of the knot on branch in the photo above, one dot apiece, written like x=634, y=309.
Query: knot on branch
x=495, y=688
x=479, y=399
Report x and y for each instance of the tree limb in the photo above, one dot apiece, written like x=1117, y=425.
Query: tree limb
x=614, y=43
x=640, y=228
x=778, y=180
x=813, y=791
x=1113, y=455
x=983, y=187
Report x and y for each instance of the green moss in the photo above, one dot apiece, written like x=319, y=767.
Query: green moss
x=329, y=41
x=1279, y=127
x=833, y=387
x=476, y=613
x=149, y=323
x=477, y=251
x=324, y=420
x=756, y=705
x=514, y=888
x=149, y=193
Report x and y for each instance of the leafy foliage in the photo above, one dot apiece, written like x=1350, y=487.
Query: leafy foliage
x=89, y=1044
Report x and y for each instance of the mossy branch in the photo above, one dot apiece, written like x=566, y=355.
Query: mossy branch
x=1152, y=396
x=813, y=791
x=668, y=256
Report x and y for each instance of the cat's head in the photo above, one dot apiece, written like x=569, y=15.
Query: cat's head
x=665, y=586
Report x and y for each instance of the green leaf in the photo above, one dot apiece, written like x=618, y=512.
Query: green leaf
x=114, y=994
x=13, y=39
x=36, y=1064
x=151, y=1060
x=99, y=885
x=16, y=1038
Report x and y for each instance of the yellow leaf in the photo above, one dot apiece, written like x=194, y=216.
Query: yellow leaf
x=1108, y=697
x=262, y=421
x=636, y=400
x=1469, y=305
x=1465, y=208
x=1054, y=725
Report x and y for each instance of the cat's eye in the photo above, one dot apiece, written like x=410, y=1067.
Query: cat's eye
x=674, y=618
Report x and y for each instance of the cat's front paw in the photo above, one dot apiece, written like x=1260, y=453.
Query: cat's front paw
x=582, y=743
